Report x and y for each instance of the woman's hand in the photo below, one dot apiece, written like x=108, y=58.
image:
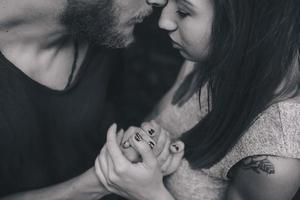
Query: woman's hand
x=140, y=181
x=169, y=154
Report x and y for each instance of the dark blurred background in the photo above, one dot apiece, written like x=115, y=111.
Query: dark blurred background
x=150, y=67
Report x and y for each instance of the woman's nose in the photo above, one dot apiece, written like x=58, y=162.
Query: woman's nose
x=167, y=19
x=157, y=3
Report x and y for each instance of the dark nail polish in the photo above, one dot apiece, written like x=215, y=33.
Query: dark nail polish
x=151, y=144
x=138, y=137
x=176, y=147
x=151, y=132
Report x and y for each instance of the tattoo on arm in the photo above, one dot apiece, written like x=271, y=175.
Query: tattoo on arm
x=258, y=164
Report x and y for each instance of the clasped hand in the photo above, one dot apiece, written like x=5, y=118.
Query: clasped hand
x=132, y=163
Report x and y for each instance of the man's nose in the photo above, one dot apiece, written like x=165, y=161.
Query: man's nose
x=157, y=3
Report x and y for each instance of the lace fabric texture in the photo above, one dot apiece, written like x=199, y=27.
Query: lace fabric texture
x=276, y=131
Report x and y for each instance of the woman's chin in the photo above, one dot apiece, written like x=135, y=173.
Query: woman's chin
x=192, y=57
x=185, y=55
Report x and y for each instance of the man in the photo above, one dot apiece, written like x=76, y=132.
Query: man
x=54, y=72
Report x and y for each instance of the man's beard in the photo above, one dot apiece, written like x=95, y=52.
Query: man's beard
x=94, y=21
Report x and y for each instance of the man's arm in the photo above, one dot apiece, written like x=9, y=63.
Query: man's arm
x=83, y=187
x=265, y=177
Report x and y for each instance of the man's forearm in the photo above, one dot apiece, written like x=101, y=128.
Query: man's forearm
x=83, y=187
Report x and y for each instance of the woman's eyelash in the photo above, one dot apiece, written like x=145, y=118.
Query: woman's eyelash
x=182, y=14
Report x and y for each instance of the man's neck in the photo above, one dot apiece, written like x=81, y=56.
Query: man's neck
x=33, y=39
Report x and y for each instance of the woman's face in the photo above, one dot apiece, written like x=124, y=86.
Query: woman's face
x=189, y=23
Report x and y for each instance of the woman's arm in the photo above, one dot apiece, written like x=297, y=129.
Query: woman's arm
x=186, y=68
x=85, y=186
x=265, y=177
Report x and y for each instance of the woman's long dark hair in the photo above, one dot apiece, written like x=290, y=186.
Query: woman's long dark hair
x=253, y=63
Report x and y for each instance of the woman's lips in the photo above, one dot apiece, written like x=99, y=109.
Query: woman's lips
x=176, y=45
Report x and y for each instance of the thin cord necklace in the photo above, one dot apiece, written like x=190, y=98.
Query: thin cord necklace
x=73, y=65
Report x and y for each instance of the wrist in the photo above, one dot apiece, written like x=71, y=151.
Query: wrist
x=88, y=186
x=100, y=190
x=163, y=194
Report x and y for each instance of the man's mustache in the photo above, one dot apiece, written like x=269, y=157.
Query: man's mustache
x=140, y=17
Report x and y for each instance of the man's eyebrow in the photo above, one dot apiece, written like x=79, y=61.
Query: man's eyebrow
x=185, y=1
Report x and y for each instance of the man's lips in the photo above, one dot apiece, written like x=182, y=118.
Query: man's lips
x=136, y=20
x=140, y=17
x=139, y=20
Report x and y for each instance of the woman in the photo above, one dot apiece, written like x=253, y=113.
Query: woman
x=242, y=141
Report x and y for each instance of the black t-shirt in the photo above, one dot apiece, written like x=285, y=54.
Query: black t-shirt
x=49, y=136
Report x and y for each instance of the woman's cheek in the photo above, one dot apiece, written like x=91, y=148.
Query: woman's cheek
x=199, y=47
x=191, y=51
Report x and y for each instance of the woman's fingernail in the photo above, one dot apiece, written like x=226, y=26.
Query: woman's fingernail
x=151, y=144
x=138, y=137
x=175, y=147
x=151, y=132
x=126, y=145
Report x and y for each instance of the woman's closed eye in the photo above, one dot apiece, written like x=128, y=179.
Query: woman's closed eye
x=184, y=8
x=182, y=14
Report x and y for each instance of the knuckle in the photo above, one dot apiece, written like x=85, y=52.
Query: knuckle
x=145, y=136
x=113, y=178
x=153, y=122
x=144, y=147
x=131, y=129
x=144, y=125
x=120, y=169
x=158, y=128
x=162, y=160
